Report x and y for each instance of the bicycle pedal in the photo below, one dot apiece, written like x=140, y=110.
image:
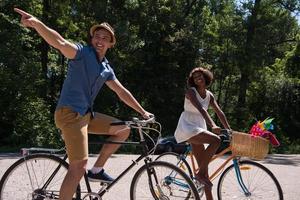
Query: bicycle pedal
x=199, y=186
x=103, y=187
x=104, y=184
x=92, y=196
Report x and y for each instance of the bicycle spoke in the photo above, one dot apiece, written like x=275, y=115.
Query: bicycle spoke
x=258, y=180
x=166, y=182
x=27, y=178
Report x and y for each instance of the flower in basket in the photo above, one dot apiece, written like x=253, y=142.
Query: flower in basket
x=263, y=129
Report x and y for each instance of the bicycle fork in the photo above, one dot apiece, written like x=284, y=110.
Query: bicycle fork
x=240, y=178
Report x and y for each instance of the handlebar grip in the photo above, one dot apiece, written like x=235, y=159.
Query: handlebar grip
x=225, y=132
x=225, y=135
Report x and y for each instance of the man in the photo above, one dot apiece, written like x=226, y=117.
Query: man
x=87, y=72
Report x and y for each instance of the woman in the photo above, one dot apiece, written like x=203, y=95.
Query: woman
x=193, y=120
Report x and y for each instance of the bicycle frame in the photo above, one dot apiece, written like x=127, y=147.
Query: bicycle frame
x=143, y=155
x=232, y=157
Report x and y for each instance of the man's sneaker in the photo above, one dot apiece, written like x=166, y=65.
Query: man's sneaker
x=99, y=177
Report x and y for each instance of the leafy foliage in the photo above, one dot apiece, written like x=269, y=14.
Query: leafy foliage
x=252, y=46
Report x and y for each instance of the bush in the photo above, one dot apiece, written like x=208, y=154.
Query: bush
x=34, y=125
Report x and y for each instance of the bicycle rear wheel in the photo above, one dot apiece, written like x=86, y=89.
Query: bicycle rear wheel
x=180, y=161
x=177, y=160
x=162, y=181
x=29, y=178
x=258, y=180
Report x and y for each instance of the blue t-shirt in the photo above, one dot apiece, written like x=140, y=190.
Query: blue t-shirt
x=85, y=77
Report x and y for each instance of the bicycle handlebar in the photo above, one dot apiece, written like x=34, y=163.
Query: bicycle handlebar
x=225, y=135
x=142, y=126
x=226, y=131
x=135, y=121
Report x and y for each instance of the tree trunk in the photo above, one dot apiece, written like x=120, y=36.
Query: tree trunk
x=44, y=52
x=246, y=66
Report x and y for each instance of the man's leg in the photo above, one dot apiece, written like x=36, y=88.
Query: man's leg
x=75, y=172
x=100, y=124
x=118, y=133
x=74, y=131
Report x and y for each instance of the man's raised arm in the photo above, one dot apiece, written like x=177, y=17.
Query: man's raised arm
x=52, y=37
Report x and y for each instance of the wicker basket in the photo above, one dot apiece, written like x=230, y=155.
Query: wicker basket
x=243, y=144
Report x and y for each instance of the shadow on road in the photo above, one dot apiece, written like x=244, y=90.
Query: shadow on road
x=282, y=159
x=10, y=156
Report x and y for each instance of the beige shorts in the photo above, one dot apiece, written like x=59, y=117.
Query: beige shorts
x=75, y=129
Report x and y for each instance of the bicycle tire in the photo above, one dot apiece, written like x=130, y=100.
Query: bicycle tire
x=161, y=180
x=25, y=178
x=177, y=160
x=180, y=161
x=259, y=180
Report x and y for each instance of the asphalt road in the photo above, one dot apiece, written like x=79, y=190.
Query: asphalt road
x=285, y=167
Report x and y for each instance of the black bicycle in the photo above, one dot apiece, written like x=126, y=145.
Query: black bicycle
x=39, y=174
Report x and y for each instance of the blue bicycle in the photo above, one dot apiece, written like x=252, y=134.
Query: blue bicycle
x=243, y=179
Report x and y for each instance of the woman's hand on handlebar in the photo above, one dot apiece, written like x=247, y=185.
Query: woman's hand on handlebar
x=216, y=129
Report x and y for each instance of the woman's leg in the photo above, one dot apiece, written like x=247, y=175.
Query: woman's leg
x=199, y=153
x=203, y=156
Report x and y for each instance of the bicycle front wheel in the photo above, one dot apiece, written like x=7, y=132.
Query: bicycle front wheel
x=34, y=177
x=255, y=182
x=160, y=180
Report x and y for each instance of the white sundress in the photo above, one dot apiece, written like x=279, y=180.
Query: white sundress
x=191, y=121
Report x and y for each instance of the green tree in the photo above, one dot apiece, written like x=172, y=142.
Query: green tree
x=250, y=45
